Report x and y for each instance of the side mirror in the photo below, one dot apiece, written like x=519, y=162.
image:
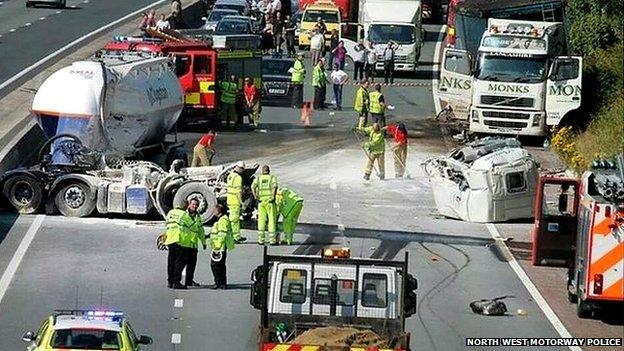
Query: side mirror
x=145, y=340
x=28, y=336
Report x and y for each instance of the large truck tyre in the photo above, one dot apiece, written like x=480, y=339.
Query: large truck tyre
x=201, y=191
x=75, y=199
x=583, y=308
x=24, y=192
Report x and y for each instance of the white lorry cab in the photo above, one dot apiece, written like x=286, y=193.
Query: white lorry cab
x=383, y=20
x=519, y=83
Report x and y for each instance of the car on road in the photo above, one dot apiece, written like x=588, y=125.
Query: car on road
x=234, y=25
x=215, y=16
x=56, y=3
x=276, y=87
x=85, y=330
x=241, y=6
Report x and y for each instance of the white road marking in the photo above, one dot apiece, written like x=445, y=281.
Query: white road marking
x=41, y=18
x=19, y=255
x=341, y=227
x=336, y=205
x=434, y=80
x=57, y=12
x=332, y=186
x=528, y=284
x=176, y=338
x=12, y=30
x=85, y=2
x=184, y=272
x=178, y=303
x=73, y=6
x=27, y=24
x=76, y=41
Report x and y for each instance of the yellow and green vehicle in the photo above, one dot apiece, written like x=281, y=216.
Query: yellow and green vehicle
x=328, y=11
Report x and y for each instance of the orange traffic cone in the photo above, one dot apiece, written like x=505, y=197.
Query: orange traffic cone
x=306, y=113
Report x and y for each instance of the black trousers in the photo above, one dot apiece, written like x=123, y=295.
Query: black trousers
x=388, y=71
x=297, y=96
x=190, y=261
x=319, y=97
x=175, y=264
x=219, y=272
x=358, y=67
x=377, y=118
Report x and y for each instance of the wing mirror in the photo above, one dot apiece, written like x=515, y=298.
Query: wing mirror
x=145, y=340
x=28, y=336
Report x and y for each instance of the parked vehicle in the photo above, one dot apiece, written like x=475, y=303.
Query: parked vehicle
x=241, y=6
x=229, y=25
x=61, y=4
x=215, y=16
x=328, y=11
x=276, y=86
x=348, y=8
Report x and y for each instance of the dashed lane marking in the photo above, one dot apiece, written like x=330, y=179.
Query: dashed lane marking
x=41, y=18
x=176, y=338
x=528, y=284
x=178, y=303
x=27, y=24
x=57, y=12
x=336, y=205
x=332, y=186
x=12, y=30
x=19, y=255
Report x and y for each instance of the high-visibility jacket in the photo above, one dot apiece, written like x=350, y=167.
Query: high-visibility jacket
x=374, y=105
x=361, y=100
x=265, y=186
x=234, y=188
x=318, y=76
x=196, y=233
x=287, y=198
x=228, y=92
x=298, y=72
x=177, y=229
x=376, y=143
x=221, y=237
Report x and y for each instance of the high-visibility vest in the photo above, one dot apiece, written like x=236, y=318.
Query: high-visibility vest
x=318, y=76
x=361, y=95
x=376, y=143
x=374, y=105
x=195, y=227
x=221, y=237
x=234, y=188
x=298, y=74
x=265, y=186
x=228, y=92
x=286, y=199
x=175, y=231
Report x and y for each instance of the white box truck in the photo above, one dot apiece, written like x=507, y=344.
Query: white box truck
x=521, y=82
x=383, y=20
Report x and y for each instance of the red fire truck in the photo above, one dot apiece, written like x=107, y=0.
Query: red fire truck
x=579, y=224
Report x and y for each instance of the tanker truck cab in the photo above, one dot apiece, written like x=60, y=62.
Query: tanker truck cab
x=517, y=83
x=297, y=294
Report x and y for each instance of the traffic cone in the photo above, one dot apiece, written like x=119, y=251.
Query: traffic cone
x=306, y=113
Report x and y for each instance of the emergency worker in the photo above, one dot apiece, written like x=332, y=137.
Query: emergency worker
x=252, y=101
x=203, y=152
x=290, y=205
x=360, y=105
x=377, y=106
x=297, y=77
x=229, y=90
x=195, y=224
x=235, y=199
x=375, y=149
x=221, y=241
x=264, y=188
x=175, y=234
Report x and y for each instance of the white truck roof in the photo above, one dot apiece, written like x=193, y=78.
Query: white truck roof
x=391, y=11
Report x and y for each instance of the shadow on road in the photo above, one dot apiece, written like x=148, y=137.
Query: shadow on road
x=6, y=223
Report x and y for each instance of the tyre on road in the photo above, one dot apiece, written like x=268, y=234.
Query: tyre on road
x=75, y=199
x=583, y=308
x=201, y=191
x=24, y=192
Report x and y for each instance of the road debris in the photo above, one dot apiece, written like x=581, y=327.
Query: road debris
x=487, y=307
x=340, y=337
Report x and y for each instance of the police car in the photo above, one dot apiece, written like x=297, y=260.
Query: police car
x=85, y=330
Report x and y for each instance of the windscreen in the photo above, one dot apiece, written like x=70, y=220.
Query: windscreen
x=276, y=67
x=233, y=27
x=327, y=16
x=382, y=33
x=239, y=8
x=512, y=69
x=216, y=16
x=86, y=339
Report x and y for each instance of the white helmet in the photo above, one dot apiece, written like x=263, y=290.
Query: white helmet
x=240, y=164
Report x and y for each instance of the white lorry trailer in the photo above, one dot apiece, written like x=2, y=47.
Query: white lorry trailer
x=383, y=20
x=520, y=83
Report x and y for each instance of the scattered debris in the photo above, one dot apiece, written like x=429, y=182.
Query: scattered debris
x=341, y=337
x=521, y=312
x=493, y=307
x=434, y=258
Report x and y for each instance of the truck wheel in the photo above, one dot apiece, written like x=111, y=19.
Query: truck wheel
x=583, y=309
x=572, y=296
x=25, y=193
x=207, y=198
x=75, y=199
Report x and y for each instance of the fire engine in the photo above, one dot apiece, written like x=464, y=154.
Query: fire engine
x=200, y=62
x=579, y=224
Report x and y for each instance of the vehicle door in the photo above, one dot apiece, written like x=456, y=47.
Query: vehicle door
x=455, y=83
x=334, y=290
x=350, y=34
x=40, y=337
x=204, y=76
x=563, y=88
x=377, y=294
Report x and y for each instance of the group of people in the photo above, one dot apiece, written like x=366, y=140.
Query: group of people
x=174, y=21
x=229, y=109
x=277, y=31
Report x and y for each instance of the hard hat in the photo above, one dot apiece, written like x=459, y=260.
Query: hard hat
x=240, y=164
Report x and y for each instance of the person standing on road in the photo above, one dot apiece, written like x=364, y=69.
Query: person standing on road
x=174, y=235
x=377, y=106
x=252, y=102
x=340, y=54
x=195, y=224
x=320, y=26
x=359, y=60
x=333, y=43
x=361, y=103
x=264, y=188
x=229, y=90
x=221, y=241
x=203, y=152
x=278, y=31
x=289, y=204
x=319, y=82
x=297, y=77
x=338, y=78
x=399, y=148
x=289, y=35
x=317, y=43
x=371, y=62
x=235, y=199
x=375, y=149
x=388, y=56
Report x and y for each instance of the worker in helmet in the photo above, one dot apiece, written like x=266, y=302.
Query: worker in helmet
x=203, y=152
x=264, y=189
x=289, y=205
x=377, y=106
x=227, y=102
x=375, y=149
x=235, y=199
x=221, y=241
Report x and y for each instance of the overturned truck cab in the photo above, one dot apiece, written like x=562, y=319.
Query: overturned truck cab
x=488, y=180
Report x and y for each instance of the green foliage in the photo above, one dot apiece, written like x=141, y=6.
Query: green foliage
x=603, y=73
x=594, y=24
